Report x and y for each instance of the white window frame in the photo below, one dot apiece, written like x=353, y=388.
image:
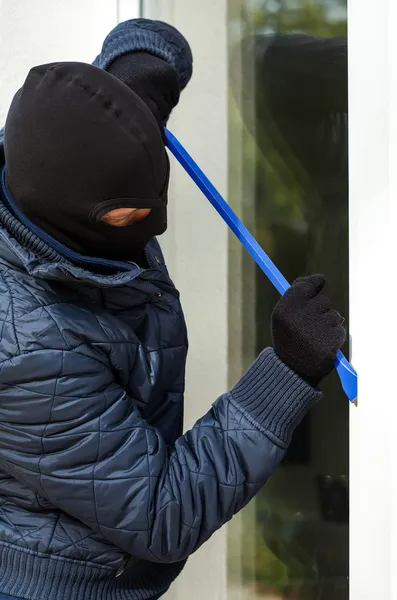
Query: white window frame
x=373, y=197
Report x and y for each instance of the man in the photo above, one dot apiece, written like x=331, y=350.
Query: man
x=102, y=496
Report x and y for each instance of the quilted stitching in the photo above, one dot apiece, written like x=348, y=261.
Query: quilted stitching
x=17, y=295
x=91, y=391
x=87, y=445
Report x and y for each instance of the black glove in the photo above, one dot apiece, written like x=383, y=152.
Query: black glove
x=307, y=333
x=153, y=59
x=152, y=79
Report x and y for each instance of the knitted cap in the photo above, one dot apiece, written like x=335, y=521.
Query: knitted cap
x=155, y=37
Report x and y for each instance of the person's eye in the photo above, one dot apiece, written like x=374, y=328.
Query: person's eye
x=121, y=217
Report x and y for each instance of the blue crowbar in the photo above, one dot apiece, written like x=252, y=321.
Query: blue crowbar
x=346, y=372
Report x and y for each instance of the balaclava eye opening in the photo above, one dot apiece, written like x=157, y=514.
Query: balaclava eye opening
x=78, y=144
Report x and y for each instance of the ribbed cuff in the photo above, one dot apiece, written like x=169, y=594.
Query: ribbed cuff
x=34, y=576
x=157, y=38
x=274, y=396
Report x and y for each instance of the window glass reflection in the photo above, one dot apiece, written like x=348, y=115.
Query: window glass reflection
x=289, y=182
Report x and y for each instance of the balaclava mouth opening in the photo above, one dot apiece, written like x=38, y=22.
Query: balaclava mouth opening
x=78, y=144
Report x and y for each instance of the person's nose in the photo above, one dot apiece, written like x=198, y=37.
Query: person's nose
x=121, y=217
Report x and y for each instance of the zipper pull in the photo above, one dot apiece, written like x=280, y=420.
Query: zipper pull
x=123, y=567
x=128, y=562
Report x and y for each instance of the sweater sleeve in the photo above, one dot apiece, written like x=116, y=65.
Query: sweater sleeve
x=82, y=444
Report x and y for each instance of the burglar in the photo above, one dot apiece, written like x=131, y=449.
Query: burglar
x=102, y=496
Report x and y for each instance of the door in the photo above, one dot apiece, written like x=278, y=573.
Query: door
x=302, y=140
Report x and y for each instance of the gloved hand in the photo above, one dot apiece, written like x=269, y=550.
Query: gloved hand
x=307, y=332
x=153, y=59
x=152, y=79
x=154, y=37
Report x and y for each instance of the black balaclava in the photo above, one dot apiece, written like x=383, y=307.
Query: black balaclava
x=78, y=144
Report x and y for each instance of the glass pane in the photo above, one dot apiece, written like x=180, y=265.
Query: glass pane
x=289, y=183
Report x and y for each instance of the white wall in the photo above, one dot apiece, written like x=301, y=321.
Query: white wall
x=196, y=246
x=36, y=32
x=390, y=267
